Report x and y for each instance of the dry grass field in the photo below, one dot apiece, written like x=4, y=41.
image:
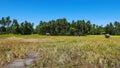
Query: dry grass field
x=61, y=51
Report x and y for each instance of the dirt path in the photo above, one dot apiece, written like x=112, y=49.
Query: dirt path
x=24, y=63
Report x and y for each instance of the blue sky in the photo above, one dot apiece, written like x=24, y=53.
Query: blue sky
x=99, y=12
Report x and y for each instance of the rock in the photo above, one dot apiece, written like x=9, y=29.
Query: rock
x=47, y=34
x=107, y=35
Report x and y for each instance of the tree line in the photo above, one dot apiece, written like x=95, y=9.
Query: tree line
x=57, y=27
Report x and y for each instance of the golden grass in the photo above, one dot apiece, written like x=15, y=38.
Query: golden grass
x=62, y=51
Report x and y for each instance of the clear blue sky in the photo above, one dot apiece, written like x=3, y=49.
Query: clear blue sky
x=97, y=11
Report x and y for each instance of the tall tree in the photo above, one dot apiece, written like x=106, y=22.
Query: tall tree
x=15, y=27
x=117, y=28
x=109, y=28
x=3, y=24
x=26, y=28
x=8, y=26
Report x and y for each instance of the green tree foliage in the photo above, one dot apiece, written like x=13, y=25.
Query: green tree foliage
x=109, y=28
x=26, y=28
x=117, y=28
x=8, y=24
x=2, y=30
x=57, y=27
x=15, y=27
x=5, y=24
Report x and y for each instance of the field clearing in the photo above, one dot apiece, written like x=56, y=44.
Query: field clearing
x=92, y=51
